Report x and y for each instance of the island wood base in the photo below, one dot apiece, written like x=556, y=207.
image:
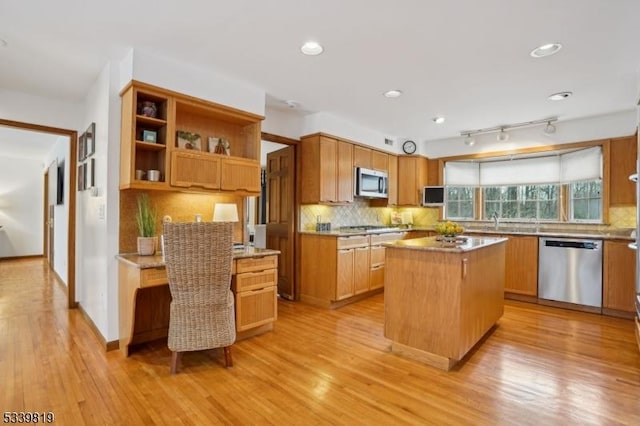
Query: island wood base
x=439, y=304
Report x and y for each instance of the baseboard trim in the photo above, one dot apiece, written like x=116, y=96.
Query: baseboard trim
x=108, y=346
x=33, y=256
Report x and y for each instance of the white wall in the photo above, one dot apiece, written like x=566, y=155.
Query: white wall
x=21, y=206
x=27, y=108
x=95, y=285
x=58, y=153
x=585, y=129
x=198, y=82
x=283, y=123
x=328, y=123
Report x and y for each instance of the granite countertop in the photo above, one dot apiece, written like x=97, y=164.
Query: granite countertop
x=157, y=261
x=344, y=233
x=610, y=234
x=464, y=244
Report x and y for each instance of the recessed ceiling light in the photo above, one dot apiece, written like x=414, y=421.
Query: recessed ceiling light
x=560, y=96
x=392, y=93
x=546, y=50
x=312, y=48
x=438, y=120
x=3, y=43
x=292, y=104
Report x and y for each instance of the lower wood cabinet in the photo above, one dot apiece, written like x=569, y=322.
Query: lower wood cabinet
x=255, y=285
x=521, y=265
x=618, y=277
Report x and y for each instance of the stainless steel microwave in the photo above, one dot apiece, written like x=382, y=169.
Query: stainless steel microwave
x=371, y=183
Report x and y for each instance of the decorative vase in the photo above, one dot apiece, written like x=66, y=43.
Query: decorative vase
x=147, y=246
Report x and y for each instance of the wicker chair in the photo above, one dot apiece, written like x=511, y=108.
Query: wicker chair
x=198, y=258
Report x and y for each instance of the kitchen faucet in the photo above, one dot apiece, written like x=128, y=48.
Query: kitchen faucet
x=496, y=219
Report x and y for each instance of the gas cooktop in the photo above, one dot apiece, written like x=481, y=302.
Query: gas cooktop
x=360, y=228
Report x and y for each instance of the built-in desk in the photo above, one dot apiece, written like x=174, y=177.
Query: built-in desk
x=144, y=297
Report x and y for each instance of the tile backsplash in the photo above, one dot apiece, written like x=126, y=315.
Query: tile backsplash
x=622, y=217
x=359, y=213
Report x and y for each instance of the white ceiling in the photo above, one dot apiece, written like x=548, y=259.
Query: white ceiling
x=467, y=60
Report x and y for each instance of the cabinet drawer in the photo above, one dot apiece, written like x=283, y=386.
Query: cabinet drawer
x=387, y=237
x=255, y=280
x=252, y=264
x=377, y=255
x=153, y=276
x=195, y=169
x=256, y=308
x=376, y=277
x=353, y=241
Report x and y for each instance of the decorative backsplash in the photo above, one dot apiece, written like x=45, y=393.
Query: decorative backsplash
x=622, y=217
x=359, y=213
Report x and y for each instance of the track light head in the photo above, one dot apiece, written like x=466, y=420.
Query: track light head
x=549, y=129
x=469, y=140
x=502, y=136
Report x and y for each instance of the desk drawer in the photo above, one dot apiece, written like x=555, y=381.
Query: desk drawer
x=150, y=277
x=256, y=308
x=255, y=280
x=252, y=264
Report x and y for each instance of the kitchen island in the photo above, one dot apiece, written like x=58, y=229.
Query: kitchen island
x=442, y=298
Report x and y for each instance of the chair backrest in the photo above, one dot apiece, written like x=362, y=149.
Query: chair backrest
x=198, y=257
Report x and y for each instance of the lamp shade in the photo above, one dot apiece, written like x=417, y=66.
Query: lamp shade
x=225, y=212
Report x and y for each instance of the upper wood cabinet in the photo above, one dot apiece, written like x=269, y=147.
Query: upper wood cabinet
x=326, y=170
x=392, y=196
x=412, y=177
x=622, y=160
x=361, y=157
x=151, y=120
x=370, y=158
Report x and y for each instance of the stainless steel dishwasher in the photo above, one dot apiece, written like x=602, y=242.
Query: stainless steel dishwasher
x=570, y=270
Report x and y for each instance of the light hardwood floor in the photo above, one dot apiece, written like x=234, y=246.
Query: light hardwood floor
x=539, y=366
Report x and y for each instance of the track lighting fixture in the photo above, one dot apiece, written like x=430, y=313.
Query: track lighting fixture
x=469, y=140
x=549, y=129
x=503, y=136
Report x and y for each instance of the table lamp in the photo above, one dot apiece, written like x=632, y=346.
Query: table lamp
x=225, y=212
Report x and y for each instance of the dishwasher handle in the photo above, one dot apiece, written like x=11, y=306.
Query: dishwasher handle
x=583, y=245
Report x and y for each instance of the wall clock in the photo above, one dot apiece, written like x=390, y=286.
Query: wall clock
x=409, y=147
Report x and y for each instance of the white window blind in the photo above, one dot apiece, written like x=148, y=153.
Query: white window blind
x=538, y=170
x=462, y=173
x=582, y=165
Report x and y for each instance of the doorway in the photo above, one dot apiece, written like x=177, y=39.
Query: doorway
x=72, y=135
x=279, y=204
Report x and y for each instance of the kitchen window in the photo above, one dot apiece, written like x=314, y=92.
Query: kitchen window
x=527, y=187
x=459, y=202
x=538, y=202
x=585, y=201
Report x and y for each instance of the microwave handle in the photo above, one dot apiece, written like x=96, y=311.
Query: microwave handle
x=381, y=185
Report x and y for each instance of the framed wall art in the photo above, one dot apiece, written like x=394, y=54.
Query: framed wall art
x=90, y=140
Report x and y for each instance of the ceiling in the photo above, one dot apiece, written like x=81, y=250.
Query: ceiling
x=465, y=60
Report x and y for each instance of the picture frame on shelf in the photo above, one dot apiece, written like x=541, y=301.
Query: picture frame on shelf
x=90, y=140
x=189, y=140
x=150, y=136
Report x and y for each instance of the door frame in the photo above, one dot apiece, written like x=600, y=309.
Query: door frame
x=71, y=246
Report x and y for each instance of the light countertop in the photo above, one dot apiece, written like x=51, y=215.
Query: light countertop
x=157, y=261
x=463, y=244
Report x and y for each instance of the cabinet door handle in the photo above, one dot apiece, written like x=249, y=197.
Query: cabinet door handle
x=465, y=262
